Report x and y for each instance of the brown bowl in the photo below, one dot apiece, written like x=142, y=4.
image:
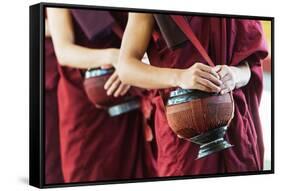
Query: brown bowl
x=200, y=117
x=94, y=87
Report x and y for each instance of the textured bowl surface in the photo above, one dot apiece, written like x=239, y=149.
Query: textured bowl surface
x=200, y=115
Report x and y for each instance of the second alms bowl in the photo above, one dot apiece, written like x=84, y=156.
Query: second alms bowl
x=94, y=82
x=94, y=87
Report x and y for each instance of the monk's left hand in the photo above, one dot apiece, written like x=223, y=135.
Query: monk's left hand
x=227, y=76
x=115, y=87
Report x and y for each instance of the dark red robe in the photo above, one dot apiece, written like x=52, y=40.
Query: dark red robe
x=95, y=146
x=230, y=42
x=53, y=169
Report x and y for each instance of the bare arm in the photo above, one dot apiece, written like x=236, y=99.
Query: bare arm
x=135, y=41
x=70, y=54
x=132, y=71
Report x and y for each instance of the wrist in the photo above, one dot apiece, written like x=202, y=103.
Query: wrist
x=111, y=56
x=240, y=77
x=235, y=72
x=176, y=78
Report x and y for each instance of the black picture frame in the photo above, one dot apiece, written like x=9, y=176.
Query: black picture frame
x=36, y=99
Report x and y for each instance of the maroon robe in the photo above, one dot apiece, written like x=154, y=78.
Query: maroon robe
x=94, y=145
x=230, y=42
x=53, y=169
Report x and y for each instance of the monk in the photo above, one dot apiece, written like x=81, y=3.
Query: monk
x=53, y=169
x=94, y=146
x=236, y=46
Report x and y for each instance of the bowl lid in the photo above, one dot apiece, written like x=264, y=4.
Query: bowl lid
x=94, y=72
x=185, y=95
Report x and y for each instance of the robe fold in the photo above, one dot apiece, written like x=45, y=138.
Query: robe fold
x=53, y=169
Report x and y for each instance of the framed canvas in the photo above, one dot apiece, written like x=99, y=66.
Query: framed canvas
x=122, y=95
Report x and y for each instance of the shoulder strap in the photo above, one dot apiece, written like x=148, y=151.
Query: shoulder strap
x=185, y=27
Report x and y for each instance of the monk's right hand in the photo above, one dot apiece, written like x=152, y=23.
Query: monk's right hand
x=115, y=87
x=201, y=77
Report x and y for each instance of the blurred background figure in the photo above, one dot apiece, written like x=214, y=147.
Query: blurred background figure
x=53, y=170
x=94, y=146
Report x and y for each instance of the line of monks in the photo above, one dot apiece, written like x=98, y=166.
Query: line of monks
x=83, y=143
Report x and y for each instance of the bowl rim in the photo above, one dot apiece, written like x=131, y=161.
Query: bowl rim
x=96, y=72
x=180, y=95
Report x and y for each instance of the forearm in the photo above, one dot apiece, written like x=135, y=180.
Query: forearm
x=67, y=52
x=81, y=57
x=134, y=44
x=242, y=74
x=133, y=72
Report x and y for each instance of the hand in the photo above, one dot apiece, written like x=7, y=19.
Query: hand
x=115, y=87
x=227, y=76
x=201, y=77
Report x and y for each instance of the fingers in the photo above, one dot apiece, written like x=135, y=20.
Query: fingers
x=225, y=90
x=210, y=77
x=224, y=71
x=125, y=90
x=226, y=77
x=213, y=79
x=227, y=87
x=217, y=68
x=122, y=90
x=208, y=84
x=110, y=80
x=207, y=69
x=114, y=86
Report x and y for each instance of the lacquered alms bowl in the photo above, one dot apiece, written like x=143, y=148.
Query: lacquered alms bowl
x=200, y=117
x=94, y=86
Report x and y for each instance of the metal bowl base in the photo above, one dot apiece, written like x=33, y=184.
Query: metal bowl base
x=211, y=142
x=123, y=108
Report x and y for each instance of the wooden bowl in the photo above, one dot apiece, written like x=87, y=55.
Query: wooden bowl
x=200, y=117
